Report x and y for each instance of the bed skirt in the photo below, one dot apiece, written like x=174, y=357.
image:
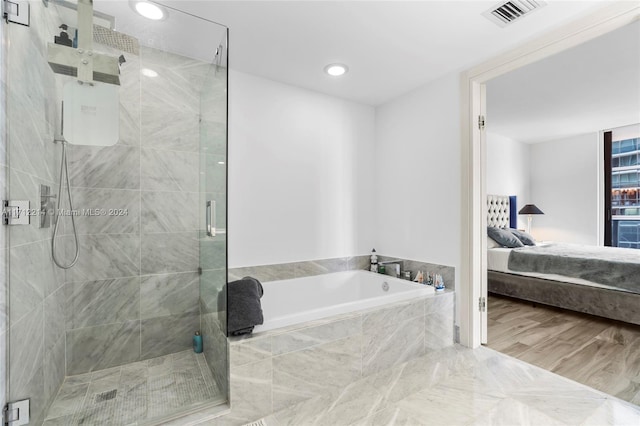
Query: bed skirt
x=608, y=303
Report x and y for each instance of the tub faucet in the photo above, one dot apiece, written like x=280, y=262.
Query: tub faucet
x=396, y=264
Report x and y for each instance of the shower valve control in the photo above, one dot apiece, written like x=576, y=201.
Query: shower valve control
x=15, y=212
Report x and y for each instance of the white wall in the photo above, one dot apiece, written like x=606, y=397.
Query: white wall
x=626, y=132
x=418, y=174
x=564, y=182
x=508, y=170
x=300, y=174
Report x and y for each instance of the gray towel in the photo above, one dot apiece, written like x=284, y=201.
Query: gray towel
x=244, y=307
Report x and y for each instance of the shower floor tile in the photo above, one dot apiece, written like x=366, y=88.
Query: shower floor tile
x=134, y=392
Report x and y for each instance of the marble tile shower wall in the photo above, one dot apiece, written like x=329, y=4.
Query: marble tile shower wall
x=134, y=293
x=35, y=326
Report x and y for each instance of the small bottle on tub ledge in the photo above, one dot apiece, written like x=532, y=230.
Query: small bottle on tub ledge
x=374, y=261
x=439, y=282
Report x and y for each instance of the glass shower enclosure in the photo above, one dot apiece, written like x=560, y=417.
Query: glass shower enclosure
x=114, y=135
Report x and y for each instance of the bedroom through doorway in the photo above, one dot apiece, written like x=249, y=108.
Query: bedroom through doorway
x=545, y=127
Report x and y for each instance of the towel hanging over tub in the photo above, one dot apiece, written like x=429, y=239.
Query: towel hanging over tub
x=245, y=311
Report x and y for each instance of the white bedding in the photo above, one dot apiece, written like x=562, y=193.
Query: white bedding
x=498, y=260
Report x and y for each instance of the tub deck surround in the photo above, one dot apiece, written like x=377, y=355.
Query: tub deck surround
x=447, y=272
x=279, y=368
x=284, y=271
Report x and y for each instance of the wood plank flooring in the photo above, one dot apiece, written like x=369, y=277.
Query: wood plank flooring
x=600, y=353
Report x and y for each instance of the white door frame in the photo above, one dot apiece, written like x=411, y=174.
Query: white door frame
x=473, y=203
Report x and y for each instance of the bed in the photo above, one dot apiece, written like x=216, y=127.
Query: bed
x=601, y=281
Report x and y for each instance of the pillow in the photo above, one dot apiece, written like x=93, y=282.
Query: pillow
x=491, y=243
x=504, y=237
x=525, y=238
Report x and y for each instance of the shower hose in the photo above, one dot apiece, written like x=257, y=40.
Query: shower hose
x=64, y=171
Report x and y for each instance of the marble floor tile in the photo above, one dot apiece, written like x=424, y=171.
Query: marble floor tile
x=512, y=412
x=135, y=392
x=612, y=413
x=460, y=386
x=69, y=400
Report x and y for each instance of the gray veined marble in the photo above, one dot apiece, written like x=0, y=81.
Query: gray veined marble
x=249, y=385
x=26, y=146
x=169, y=334
x=113, y=374
x=216, y=350
x=27, y=279
x=359, y=263
x=125, y=218
x=26, y=356
x=313, y=336
x=70, y=399
x=54, y=319
x=459, y=386
x=91, y=303
x=134, y=373
x=129, y=118
x=181, y=135
x=169, y=211
x=159, y=366
x=321, y=266
x=103, y=346
x=104, y=167
x=392, y=345
x=281, y=271
x=213, y=252
x=252, y=350
x=443, y=302
x=81, y=403
x=392, y=316
x=185, y=361
x=212, y=296
x=168, y=294
x=169, y=170
x=105, y=257
x=310, y=372
x=175, y=252
x=438, y=330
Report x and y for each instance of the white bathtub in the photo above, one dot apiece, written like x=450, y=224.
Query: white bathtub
x=293, y=301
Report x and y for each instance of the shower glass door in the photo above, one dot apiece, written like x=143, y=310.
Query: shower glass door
x=110, y=339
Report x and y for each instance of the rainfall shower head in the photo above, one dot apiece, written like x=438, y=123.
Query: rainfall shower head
x=115, y=39
x=80, y=60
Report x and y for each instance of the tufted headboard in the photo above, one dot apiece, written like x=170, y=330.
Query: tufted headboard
x=501, y=211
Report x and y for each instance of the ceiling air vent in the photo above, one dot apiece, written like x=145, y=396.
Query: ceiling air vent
x=504, y=14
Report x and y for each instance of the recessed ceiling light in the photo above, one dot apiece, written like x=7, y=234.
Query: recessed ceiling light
x=336, y=70
x=148, y=72
x=149, y=10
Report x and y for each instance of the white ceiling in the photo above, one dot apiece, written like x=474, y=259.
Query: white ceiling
x=591, y=87
x=391, y=47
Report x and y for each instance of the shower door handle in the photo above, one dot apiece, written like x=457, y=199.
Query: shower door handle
x=211, y=218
